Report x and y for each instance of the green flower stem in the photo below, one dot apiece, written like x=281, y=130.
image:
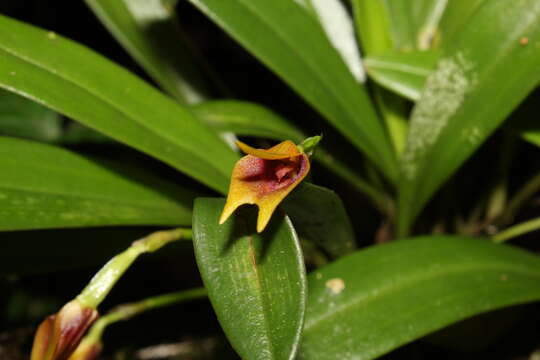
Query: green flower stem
x=102, y=283
x=517, y=230
x=127, y=311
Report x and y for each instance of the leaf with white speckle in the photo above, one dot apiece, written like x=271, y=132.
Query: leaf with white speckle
x=482, y=76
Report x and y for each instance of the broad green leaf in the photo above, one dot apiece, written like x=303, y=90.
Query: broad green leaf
x=148, y=30
x=24, y=118
x=81, y=84
x=43, y=186
x=249, y=119
x=402, y=73
x=319, y=215
x=292, y=43
x=415, y=24
x=256, y=282
x=463, y=101
x=375, y=300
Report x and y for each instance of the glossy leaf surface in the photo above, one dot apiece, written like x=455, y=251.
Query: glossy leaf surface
x=149, y=32
x=402, y=73
x=468, y=97
x=47, y=68
x=297, y=49
x=371, y=302
x=43, y=186
x=319, y=215
x=256, y=282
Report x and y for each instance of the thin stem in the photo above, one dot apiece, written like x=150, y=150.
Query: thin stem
x=127, y=311
x=517, y=230
x=105, y=279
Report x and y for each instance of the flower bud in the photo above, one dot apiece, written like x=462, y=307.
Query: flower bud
x=59, y=334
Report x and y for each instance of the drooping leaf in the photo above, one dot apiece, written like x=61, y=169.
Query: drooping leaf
x=297, y=49
x=148, y=30
x=43, y=186
x=375, y=300
x=403, y=73
x=24, y=118
x=256, y=282
x=468, y=97
x=319, y=215
x=81, y=84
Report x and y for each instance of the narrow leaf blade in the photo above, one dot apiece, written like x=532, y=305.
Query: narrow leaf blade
x=408, y=289
x=43, y=186
x=47, y=68
x=256, y=283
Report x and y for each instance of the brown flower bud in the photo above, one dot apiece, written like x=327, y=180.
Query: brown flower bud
x=59, y=334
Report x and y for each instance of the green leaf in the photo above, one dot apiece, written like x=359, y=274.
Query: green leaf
x=292, y=43
x=373, y=25
x=148, y=30
x=256, y=282
x=402, y=73
x=24, y=118
x=371, y=302
x=81, y=84
x=43, y=186
x=319, y=215
x=456, y=14
x=463, y=102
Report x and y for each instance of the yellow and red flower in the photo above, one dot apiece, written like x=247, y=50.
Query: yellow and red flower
x=264, y=177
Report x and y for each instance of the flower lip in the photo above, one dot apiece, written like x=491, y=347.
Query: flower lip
x=265, y=177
